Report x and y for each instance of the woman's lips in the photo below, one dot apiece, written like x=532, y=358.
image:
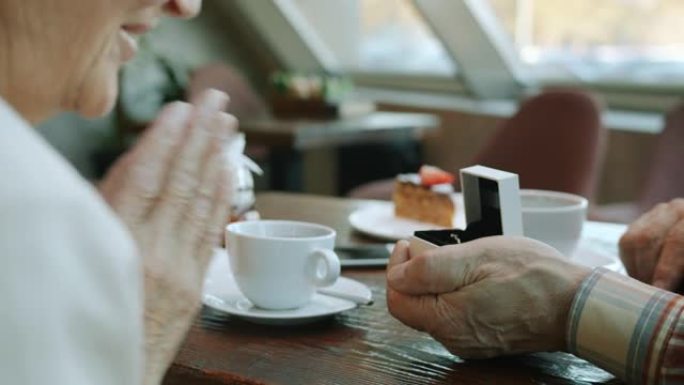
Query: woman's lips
x=129, y=45
x=137, y=29
x=129, y=34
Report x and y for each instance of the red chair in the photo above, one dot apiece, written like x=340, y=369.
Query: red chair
x=664, y=180
x=666, y=174
x=245, y=102
x=554, y=142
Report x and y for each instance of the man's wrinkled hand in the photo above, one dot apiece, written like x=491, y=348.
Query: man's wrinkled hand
x=485, y=298
x=652, y=249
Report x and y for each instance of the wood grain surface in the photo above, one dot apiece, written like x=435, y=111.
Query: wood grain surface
x=361, y=346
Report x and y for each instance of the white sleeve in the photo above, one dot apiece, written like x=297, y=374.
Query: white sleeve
x=70, y=293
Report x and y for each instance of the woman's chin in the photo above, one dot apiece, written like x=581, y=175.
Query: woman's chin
x=98, y=104
x=97, y=110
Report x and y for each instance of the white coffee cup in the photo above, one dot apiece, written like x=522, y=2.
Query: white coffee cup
x=555, y=218
x=279, y=264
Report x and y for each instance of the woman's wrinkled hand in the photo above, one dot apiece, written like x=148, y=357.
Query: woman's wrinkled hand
x=652, y=249
x=489, y=297
x=171, y=192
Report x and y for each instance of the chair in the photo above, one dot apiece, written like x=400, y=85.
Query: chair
x=554, y=142
x=663, y=181
x=245, y=103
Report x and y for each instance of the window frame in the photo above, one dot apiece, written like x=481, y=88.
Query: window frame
x=283, y=24
x=487, y=64
x=628, y=95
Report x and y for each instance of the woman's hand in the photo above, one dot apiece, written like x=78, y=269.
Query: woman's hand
x=485, y=298
x=652, y=249
x=170, y=190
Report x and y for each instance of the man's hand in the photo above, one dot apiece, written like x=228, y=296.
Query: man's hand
x=652, y=249
x=171, y=192
x=485, y=298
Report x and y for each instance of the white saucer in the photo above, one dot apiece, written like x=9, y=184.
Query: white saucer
x=598, y=246
x=378, y=220
x=221, y=293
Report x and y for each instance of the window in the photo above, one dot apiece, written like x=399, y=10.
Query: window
x=385, y=36
x=616, y=41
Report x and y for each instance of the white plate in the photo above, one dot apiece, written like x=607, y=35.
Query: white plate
x=221, y=293
x=597, y=247
x=378, y=220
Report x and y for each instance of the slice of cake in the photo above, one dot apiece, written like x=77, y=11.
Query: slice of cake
x=425, y=197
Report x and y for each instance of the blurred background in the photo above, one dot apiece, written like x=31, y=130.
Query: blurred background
x=335, y=96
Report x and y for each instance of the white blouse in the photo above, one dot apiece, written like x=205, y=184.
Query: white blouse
x=71, y=300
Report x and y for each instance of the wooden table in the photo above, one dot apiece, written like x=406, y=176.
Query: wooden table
x=362, y=346
x=303, y=153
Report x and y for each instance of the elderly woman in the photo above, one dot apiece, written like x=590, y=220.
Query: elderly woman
x=99, y=287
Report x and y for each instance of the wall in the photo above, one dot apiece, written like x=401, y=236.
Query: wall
x=205, y=39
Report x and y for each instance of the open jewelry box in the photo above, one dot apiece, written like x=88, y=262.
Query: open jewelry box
x=492, y=207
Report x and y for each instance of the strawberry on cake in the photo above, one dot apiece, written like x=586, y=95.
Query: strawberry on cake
x=426, y=196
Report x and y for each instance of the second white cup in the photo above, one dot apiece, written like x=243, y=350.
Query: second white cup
x=279, y=264
x=555, y=218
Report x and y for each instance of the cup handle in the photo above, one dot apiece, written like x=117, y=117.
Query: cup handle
x=326, y=276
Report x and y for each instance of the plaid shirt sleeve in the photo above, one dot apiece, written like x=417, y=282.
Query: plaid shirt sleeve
x=630, y=329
